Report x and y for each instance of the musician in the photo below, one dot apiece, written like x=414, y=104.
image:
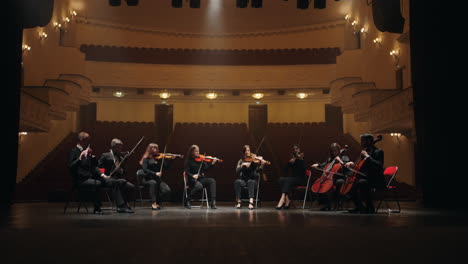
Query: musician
x=159, y=190
x=338, y=180
x=248, y=173
x=298, y=177
x=195, y=171
x=84, y=169
x=373, y=168
x=111, y=163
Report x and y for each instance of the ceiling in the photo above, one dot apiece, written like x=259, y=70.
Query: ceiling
x=214, y=16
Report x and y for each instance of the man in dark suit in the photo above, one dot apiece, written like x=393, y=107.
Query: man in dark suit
x=372, y=167
x=84, y=170
x=111, y=163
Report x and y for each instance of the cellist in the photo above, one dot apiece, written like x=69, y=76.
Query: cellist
x=373, y=169
x=334, y=156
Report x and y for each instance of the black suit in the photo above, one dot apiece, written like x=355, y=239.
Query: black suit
x=373, y=168
x=297, y=178
x=119, y=185
x=159, y=190
x=85, y=174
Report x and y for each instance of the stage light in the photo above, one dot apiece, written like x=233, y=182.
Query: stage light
x=211, y=95
x=242, y=3
x=114, y=2
x=118, y=94
x=258, y=96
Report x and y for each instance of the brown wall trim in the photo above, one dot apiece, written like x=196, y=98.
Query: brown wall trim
x=210, y=57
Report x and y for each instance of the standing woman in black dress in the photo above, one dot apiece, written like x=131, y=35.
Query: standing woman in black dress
x=195, y=168
x=153, y=172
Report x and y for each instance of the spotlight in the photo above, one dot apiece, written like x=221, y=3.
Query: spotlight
x=303, y=4
x=257, y=3
x=242, y=3
x=114, y=2
x=194, y=3
x=177, y=3
x=132, y=2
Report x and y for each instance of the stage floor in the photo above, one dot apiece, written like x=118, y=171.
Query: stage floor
x=41, y=233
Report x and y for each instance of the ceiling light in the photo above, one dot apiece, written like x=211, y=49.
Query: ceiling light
x=164, y=95
x=301, y=95
x=258, y=96
x=211, y=95
x=118, y=94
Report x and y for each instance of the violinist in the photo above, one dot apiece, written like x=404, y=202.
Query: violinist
x=335, y=156
x=297, y=165
x=373, y=169
x=152, y=164
x=111, y=163
x=84, y=170
x=248, y=170
x=195, y=167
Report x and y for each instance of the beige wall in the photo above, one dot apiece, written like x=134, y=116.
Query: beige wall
x=373, y=62
x=34, y=147
x=47, y=59
x=296, y=112
x=98, y=35
x=125, y=111
x=210, y=112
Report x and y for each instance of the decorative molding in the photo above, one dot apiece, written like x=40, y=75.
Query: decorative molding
x=72, y=102
x=394, y=114
x=347, y=92
x=284, y=31
x=364, y=100
x=404, y=38
x=85, y=84
x=34, y=114
x=210, y=57
x=335, y=88
x=55, y=97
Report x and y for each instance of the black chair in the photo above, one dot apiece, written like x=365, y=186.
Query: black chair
x=75, y=188
x=306, y=190
x=257, y=201
x=140, y=174
x=203, y=199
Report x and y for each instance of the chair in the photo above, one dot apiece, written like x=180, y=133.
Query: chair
x=203, y=199
x=390, y=173
x=305, y=188
x=256, y=200
x=74, y=189
x=140, y=174
x=106, y=191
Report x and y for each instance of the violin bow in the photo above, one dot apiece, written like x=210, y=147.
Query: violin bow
x=126, y=156
x=162, y=162
x=261, y=142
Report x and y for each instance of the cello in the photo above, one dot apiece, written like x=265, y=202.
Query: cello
x=325, y=182
x=348, y=184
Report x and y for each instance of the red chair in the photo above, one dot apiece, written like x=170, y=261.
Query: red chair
x=390, y=173
x=305, y=188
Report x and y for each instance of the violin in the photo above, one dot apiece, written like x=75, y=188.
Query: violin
x=348, y=184
x=299, y=156
x=201, y=158
x=325, y=182
x=167, y=156
x=255, y=159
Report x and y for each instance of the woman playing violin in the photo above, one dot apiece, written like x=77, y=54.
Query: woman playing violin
x=195, y=167
x=298, y=177
x=248, y=169
x=373, y=169
x=335, y=156
x=153, y=165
